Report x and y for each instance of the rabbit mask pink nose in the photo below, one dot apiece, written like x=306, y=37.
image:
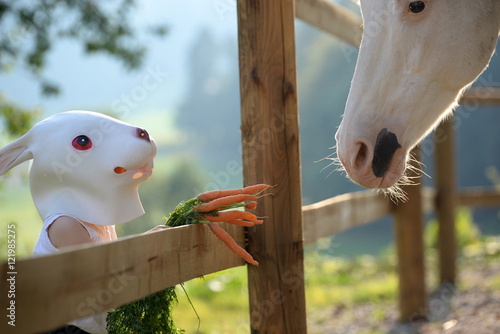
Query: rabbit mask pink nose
x=85, y=164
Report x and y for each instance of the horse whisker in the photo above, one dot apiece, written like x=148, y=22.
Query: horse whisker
x=413, y=171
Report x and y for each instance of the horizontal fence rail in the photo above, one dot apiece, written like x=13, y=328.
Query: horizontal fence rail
x=54, y=289
x=343, y=212
x=332, y=18
x=484, y=94
x=340, y=213
x=51, y=290
x=479, y=197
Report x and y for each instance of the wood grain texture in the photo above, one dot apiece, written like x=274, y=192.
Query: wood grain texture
x=331, y=18
x=340, y=213
x=270, y=138
x=470, y=196
x=343, y=212
x=479, y=197
x=409, y=232
x=52, y=290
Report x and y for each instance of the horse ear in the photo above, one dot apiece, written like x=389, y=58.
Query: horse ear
x=13, y=154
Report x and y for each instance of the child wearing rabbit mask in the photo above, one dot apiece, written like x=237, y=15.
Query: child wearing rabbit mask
x=84, y=178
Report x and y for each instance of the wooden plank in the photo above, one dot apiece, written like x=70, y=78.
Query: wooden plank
x=340, y=213
x=446, y=201
x=428, y=199
x=271, y=154
x=470, y=196
x=409, y=231
x=481, y=94
x=479, y=197
x=52, y=290
x=343, y=212
x=331, y=18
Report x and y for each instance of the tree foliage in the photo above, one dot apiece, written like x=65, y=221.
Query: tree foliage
x=18, y=120
x=31, y=28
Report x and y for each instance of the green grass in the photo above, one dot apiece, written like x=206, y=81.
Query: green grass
x=17, y=207
x=331, y=281
x=221, y=299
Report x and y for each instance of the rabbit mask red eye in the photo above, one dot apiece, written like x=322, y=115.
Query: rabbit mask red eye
x=82, y=143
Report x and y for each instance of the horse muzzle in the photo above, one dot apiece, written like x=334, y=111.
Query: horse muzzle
x=372, y=164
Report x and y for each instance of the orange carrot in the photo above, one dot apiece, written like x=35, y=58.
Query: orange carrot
x=240, y=222
x=211, y=195
x=251, y=205
x=229, y=241
x=220, y=202
x=230, y=215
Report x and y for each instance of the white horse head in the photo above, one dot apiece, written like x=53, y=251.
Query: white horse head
x=415, y=61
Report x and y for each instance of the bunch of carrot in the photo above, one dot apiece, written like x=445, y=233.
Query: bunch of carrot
x=223, y=206
x=153, y=313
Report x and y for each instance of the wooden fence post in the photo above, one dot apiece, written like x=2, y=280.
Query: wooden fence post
x=409, y=231
x=446, y=201
x=270, y=137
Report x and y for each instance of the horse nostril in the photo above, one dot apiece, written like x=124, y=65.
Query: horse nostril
x=361, y=156
x=142, y=133
x=385, y=147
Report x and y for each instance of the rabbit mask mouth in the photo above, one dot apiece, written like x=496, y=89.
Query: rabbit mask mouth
x=146, y=170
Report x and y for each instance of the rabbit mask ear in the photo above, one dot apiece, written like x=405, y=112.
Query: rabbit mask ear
x=87, y=165
x=14, y=154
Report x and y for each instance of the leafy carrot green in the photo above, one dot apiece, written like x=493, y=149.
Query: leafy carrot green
x=151, y=314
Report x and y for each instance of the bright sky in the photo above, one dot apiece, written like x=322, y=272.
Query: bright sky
x=99, y=83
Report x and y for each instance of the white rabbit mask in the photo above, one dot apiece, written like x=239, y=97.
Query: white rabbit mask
x=86, y=165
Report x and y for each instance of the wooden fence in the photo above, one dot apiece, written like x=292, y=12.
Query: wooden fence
x=52, y=290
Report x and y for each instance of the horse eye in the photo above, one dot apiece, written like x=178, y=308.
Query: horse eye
x=416, y=7
x=82, y=143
